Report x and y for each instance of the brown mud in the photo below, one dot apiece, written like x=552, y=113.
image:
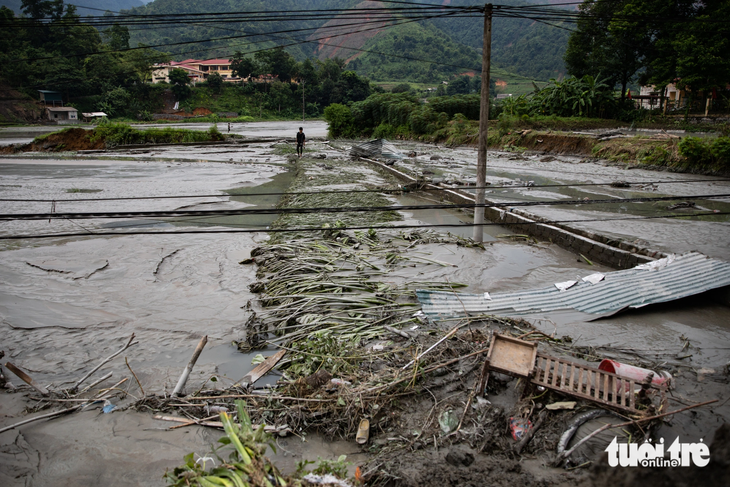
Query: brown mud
x=71, y=139
x=407, y=445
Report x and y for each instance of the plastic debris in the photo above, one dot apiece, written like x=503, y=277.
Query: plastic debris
x=594, y=278
x=561, y=405
x=448, y=421
x=375, y=149
x=518, y=427
x=562, y=286
x=108, y=407
x=326, y=479
x=363, y=432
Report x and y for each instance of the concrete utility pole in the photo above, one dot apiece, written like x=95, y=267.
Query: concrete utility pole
x=483, y=127
x=302, y=100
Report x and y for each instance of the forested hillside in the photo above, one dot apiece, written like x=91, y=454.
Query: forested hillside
x=246, y=36
x=521, y=46
x=410, y=43
x=111, y=5
x=527, y=48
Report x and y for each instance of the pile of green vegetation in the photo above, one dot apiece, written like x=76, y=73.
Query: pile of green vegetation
x=706, y=155
x=114, y=134
x=389, y=115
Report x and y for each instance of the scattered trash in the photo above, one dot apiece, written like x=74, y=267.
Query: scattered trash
x=556, y=406
x=435, y=158
x=620, y=184
x=262, y=369
x=448, y=421
x=108, y=407
x=594, y=278
x=519, y=427
x=215, y=409
x=257, y=359
x=363, y=432
x=636, y=373
x=326, y=479
x=340, y=382
x=376, y=148
x=563, y=286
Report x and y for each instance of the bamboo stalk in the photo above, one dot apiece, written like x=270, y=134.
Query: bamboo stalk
x=186, y=373
x=26, y=378
x=129, y=344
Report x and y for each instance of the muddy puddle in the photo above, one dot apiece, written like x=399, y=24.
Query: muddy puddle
x=66, y=303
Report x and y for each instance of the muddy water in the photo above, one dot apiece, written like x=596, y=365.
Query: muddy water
x=707, y=234
x=66, y=303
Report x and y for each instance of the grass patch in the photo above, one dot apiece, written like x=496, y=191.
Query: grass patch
x=42, y=137
x=115, y=134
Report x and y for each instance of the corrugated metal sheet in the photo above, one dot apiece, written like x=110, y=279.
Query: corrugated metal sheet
x=376, y=148
x=667, y=279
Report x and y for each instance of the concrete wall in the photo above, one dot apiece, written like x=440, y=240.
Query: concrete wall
x=595, y=247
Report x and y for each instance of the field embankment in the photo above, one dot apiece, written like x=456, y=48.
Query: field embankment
x=111, y=135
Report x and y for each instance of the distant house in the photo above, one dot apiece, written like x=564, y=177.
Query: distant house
x=197, y=70
x=161, y=72
x=51, y=97
x=62, y=114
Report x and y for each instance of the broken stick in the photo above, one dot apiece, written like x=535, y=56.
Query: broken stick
x=397, y=331
x=261, y=369
x=129, y=344
x=99, y=397
x=26, y=378
x=186, y=373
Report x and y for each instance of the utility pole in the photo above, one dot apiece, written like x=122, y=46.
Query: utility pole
x=302, y=100
x=479, y=198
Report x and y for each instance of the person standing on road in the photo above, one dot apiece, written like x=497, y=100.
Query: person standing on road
x=301, y=140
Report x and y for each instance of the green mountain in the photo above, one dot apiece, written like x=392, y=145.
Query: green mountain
x=411, y=43
x=521, y=46
x=98, y=6
x=258, y=35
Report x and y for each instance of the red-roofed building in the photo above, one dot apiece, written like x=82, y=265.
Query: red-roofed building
x=197, y=69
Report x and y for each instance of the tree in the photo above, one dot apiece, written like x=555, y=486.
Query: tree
x=117, y=37
x=602, y=43
x=401, y=88
x=215, y=82
x=243, y=67
x=179, y=79
x=340, y=120
x=459, y=86
x=277, y=62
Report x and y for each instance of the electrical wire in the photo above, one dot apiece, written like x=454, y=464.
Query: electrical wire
x=379, y=190
x=366, y=227
x=355, y=209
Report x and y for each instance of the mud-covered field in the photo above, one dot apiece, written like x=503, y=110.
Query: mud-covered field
x=67, y=303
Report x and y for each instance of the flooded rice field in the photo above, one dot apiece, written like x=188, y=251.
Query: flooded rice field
x=66, y=302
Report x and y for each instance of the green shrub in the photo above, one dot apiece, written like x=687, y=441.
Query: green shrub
x=384, y=131
x=340, y=120
x=695, y=150
x=720, y=150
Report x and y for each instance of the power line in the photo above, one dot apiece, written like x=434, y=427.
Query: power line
x=366, y=227
x=356, y=209
x=378, y=190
